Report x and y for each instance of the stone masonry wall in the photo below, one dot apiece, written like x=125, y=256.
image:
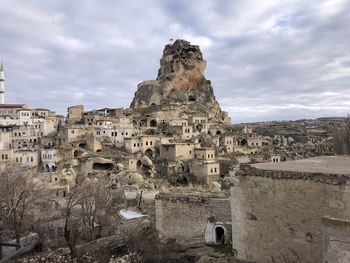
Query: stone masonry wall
x=185, y=217
x=336, y=240
x=276, y=217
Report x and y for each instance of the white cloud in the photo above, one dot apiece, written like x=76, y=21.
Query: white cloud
x=266, y=59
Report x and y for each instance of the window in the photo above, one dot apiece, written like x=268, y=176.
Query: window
x=72, y=131
x=31, y=159
x=146, y=143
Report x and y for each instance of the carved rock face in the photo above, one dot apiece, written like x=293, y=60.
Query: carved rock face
x=180, y=80
x=182, y=67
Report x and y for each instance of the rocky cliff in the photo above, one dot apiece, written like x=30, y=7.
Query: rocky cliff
x=180, y=81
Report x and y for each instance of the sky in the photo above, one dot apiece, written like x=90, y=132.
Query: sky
x=267, y=60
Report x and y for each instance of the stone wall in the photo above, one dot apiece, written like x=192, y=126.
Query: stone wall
x=336, y=240
x=278, y=214
x=191, y=220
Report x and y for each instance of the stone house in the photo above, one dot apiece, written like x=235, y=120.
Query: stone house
x=177, y=151
x=193, y=220
x=206, y=171
x=227, y=142
x=75, y=113
x=207, y=154
x=49, y=159
x=26, y=158
x=277, y=207
x=185, y=132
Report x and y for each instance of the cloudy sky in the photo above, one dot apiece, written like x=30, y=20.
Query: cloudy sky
x=267, y=60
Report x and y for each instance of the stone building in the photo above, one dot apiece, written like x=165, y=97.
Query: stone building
x=206, y=171
x=75, y=113
x=193, y=220
x=277, y=207
x=177, y=151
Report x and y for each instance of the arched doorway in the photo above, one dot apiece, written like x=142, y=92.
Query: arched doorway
x=244, y=142
x=153, y=123
x=149, y=153
x=219, y=235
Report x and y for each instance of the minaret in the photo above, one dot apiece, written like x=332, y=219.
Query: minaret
x=2, y=84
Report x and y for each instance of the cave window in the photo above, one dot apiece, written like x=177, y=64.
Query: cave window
x=191, y=98
x=153, y=123
x=102, y=166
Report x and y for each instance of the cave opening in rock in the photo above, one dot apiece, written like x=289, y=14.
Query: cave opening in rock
x=153, y=123
x=192, y=98
x=102, y=166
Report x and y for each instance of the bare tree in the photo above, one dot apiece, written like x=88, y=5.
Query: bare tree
x=71, y=219
x=86, y=206
x=19, y=190
x=95, y=203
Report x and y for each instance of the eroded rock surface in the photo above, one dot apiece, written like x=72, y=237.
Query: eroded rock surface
x=180, y=80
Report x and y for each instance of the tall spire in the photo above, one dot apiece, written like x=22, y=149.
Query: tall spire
x=2, y=84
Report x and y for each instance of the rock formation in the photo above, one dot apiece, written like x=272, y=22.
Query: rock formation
x=180, y=81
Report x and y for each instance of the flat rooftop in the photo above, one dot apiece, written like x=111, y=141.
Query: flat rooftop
x=322, y=164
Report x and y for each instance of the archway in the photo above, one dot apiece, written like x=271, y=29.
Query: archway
x=199, y=127
x=77, y=153
x=218, y=132
x=153, y=123
x=244, y=142
x=149, y=153
x=219, y=235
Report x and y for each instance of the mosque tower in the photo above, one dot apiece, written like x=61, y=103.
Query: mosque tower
x=2, y=84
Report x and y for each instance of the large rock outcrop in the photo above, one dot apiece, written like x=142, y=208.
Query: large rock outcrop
x=180, y=80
